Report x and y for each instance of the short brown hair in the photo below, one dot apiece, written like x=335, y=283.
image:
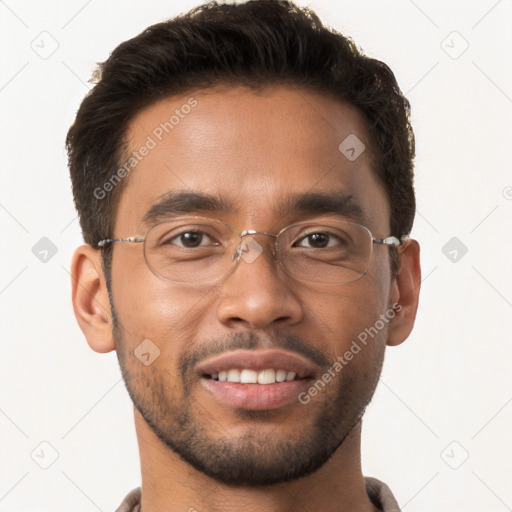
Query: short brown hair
x=256, y=43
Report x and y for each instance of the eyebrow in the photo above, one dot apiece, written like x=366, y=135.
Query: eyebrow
x=178, y=203
x=335, y=203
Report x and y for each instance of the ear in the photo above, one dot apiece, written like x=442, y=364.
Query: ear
x=90, y=298
x=405, y=292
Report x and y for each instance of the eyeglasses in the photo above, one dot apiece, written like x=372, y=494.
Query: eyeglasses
x=202, y=250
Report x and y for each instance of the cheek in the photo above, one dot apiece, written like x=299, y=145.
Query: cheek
x=148, y=307
x=161, y=320
x=350, y=317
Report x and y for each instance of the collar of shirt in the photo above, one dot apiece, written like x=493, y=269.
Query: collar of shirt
x=379, y=493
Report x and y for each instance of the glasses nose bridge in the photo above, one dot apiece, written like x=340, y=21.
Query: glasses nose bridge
x=252, y=232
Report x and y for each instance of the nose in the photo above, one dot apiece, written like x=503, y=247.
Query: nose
x=257, y=294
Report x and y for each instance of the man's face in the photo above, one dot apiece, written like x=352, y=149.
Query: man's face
x=256, y=151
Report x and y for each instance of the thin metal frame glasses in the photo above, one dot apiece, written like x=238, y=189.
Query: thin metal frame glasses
x=195, y=249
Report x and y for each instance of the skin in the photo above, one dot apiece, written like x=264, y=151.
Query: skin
x=255, y=148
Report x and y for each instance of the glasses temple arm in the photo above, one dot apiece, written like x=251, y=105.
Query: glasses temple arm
x=133, y=239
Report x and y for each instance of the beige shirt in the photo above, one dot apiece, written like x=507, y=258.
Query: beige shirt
x=379, y=493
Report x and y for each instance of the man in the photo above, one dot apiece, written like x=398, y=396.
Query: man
x=243, y=177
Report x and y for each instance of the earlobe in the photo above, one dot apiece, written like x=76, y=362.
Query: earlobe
x=90, y=299
x=405, y=292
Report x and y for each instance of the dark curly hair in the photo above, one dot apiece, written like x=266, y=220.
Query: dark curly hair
x=256, y=43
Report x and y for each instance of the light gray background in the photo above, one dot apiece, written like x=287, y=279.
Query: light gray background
x=445, y=393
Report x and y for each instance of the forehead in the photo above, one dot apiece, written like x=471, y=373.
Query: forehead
x=252, y=149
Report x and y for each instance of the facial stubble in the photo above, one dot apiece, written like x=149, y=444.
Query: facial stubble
x=254, y=457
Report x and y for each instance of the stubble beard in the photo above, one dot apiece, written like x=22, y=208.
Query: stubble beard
x=254, y=458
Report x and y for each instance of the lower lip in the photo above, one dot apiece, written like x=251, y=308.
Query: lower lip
x=256, y=397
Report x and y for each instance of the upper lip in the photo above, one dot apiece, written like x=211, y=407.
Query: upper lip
x=258, y=360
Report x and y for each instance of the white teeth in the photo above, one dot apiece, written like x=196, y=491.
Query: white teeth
x=234, y=375
x=280, y=375
x=267, y=376
x=248, y=377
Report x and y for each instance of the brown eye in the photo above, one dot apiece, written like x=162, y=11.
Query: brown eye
x=191, y=240
x=321, y=240
x=318, y=240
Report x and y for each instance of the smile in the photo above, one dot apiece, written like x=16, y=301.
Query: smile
x=247, y=376
x=256, y=380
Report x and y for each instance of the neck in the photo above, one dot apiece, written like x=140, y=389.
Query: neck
x=170, y=484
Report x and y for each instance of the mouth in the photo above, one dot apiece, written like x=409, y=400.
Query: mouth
x=247, y=376
x=256, y=380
